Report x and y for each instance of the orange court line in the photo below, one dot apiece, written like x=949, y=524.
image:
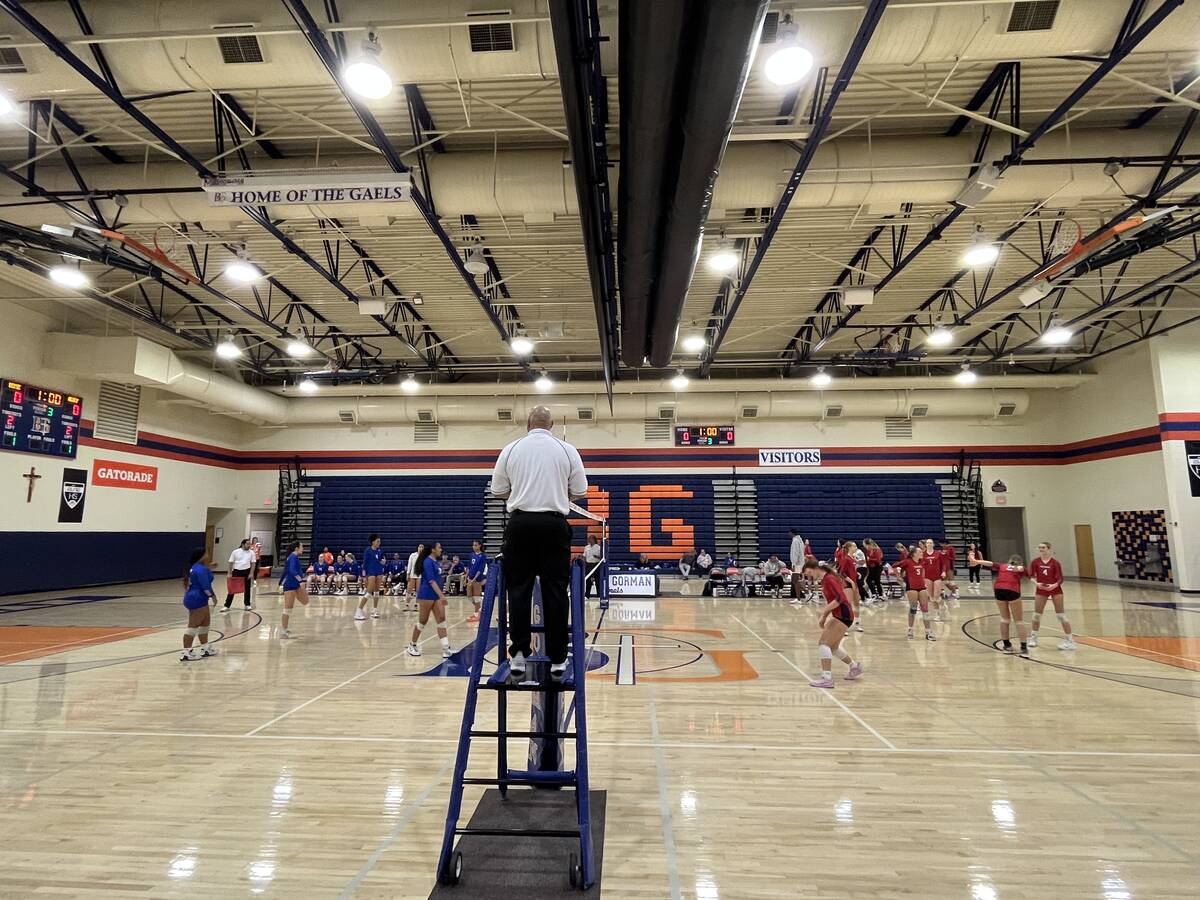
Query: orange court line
x=45, y=640
x=1180, y=652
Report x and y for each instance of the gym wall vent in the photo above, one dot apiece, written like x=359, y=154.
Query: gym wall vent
x=1005, y=410
x=749, y=412
x=504, y=415
x=834, y=411
x=585, y=413
x=656, y=430
x=1032, y=15
x=426, y=433
x=667, y=413
x=347, y=417
x=897, y=428
x=238, y=49
x=425, y=416
x=117, y=412
x=491, y=37
x=918, y=412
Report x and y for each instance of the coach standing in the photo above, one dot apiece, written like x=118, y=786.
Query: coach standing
x=796, y=558
x=241, y=565
x=539, y=475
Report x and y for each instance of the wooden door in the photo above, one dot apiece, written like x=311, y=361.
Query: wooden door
x=209, y=537
x=1085, y=552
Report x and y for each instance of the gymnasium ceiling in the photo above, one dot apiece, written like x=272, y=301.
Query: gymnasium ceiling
x=486, y=134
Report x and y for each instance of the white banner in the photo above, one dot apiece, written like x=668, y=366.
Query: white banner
x=631, y=611
x=632, y=584
x=794, y=457
x=270, y=190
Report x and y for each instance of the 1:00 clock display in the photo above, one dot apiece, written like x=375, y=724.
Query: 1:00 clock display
x=39, y=420
x=703, y=435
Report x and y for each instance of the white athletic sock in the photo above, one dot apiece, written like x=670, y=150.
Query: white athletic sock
x=445, y=643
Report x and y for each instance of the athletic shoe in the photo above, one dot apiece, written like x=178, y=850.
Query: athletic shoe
x=412, y=650
x=474, y=617
x=857, y=626
x=1024, y=648
x=188, y=656
x=447, y=653
x=1033, y=640
x=558, y=671
x=1068, y=644
x=374, y=614
x=910, y=634
x=248, y=607
x=823, y=683
x=208, y=651
x=285, y=634
x=516, y=665
x=855, y=672
x=224, y=609
x=359, y=616
x=1009, y=648
x=929, y=636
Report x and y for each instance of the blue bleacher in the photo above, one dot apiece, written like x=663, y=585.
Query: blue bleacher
x=823, y=508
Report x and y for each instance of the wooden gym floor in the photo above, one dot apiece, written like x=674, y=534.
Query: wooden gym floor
x=317, y=768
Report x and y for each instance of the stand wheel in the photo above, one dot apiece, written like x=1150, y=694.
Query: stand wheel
x=575, y=873
x=454, y=868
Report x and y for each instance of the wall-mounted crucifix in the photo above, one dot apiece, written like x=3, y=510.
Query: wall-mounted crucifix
x=32, y=476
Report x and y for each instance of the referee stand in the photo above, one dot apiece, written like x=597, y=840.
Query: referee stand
x=548, y=732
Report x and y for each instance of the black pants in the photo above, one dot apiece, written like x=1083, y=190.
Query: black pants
x=875, y=581
x=235, y=573
x=537, y=545
x=973, y=573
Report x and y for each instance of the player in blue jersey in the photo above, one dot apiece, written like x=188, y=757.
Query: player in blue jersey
x=293, y=587
x=353, y=573
x=339, y=573
x=198, y=590
x=476, y=576
x=374, y=568
x=431, y=598
x=319, y=575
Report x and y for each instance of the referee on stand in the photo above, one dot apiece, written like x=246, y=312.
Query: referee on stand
x=539, y=475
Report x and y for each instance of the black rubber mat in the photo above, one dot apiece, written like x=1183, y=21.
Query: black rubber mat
x=514, y=867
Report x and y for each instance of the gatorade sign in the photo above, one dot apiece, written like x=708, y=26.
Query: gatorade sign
x=107, y=473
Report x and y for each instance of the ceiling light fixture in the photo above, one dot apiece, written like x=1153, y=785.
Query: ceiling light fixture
x=364, y=75
x=1036, y=292
x=417, y=299
x=982, y=251
x=307, y=386
x=69, y=276
x=724, y=259
x=941, y=336
x=7, y=107
x=543, y=383
x=241, y=269
x=790, y=62
x=1057, y=334
x=409, y=385
x=521, y=346
x=821, y=378
x=680, y=381
x=966, y=376
x=297, y=348
x=694, y=343
x=476, y=262
x=227, y=349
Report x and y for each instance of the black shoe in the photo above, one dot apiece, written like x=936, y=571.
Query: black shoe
x=1007, y=646
x=516, y=667
x=1024, y=649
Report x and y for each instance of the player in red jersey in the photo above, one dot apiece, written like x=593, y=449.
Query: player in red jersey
x=874, y=570
x=1048, y=576
x=935, y=564
x=949, y=581
x=912, y=564
x=835, y=621
x=1007, y=587
x=848, y=568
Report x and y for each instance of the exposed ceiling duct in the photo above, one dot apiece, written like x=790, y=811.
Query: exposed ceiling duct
x=133, y=360
x=683, y=67
x=847, y=172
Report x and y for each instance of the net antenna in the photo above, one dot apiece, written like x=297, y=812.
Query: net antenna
x=583, y=513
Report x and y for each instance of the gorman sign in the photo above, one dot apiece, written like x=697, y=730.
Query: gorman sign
x=124, y=475
x=632, y=584
x=258, y=190
x=789, y=457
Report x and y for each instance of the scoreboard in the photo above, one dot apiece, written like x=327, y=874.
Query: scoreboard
x=39, y=420
x=703, y=435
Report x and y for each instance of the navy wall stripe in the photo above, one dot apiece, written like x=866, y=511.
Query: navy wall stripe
x=72, y=559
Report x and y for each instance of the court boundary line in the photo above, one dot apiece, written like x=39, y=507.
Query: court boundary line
x=337, y=687
x=859, y=719
x=664, y=802
x=667, y=745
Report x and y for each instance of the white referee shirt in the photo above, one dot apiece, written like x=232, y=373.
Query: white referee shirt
x=242, y=559
x=539, y=473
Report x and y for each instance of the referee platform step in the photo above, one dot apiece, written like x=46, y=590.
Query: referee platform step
x=537, y=665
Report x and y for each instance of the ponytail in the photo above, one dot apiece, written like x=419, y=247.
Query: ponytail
x=813, y=563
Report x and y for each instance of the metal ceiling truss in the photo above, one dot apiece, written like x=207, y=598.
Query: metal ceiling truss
x=575, y=25
x=858, y=46
x=330, y=59
x=53, y=43
x=1133, y=32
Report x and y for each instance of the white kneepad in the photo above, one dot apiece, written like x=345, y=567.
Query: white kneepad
x=826, y=653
